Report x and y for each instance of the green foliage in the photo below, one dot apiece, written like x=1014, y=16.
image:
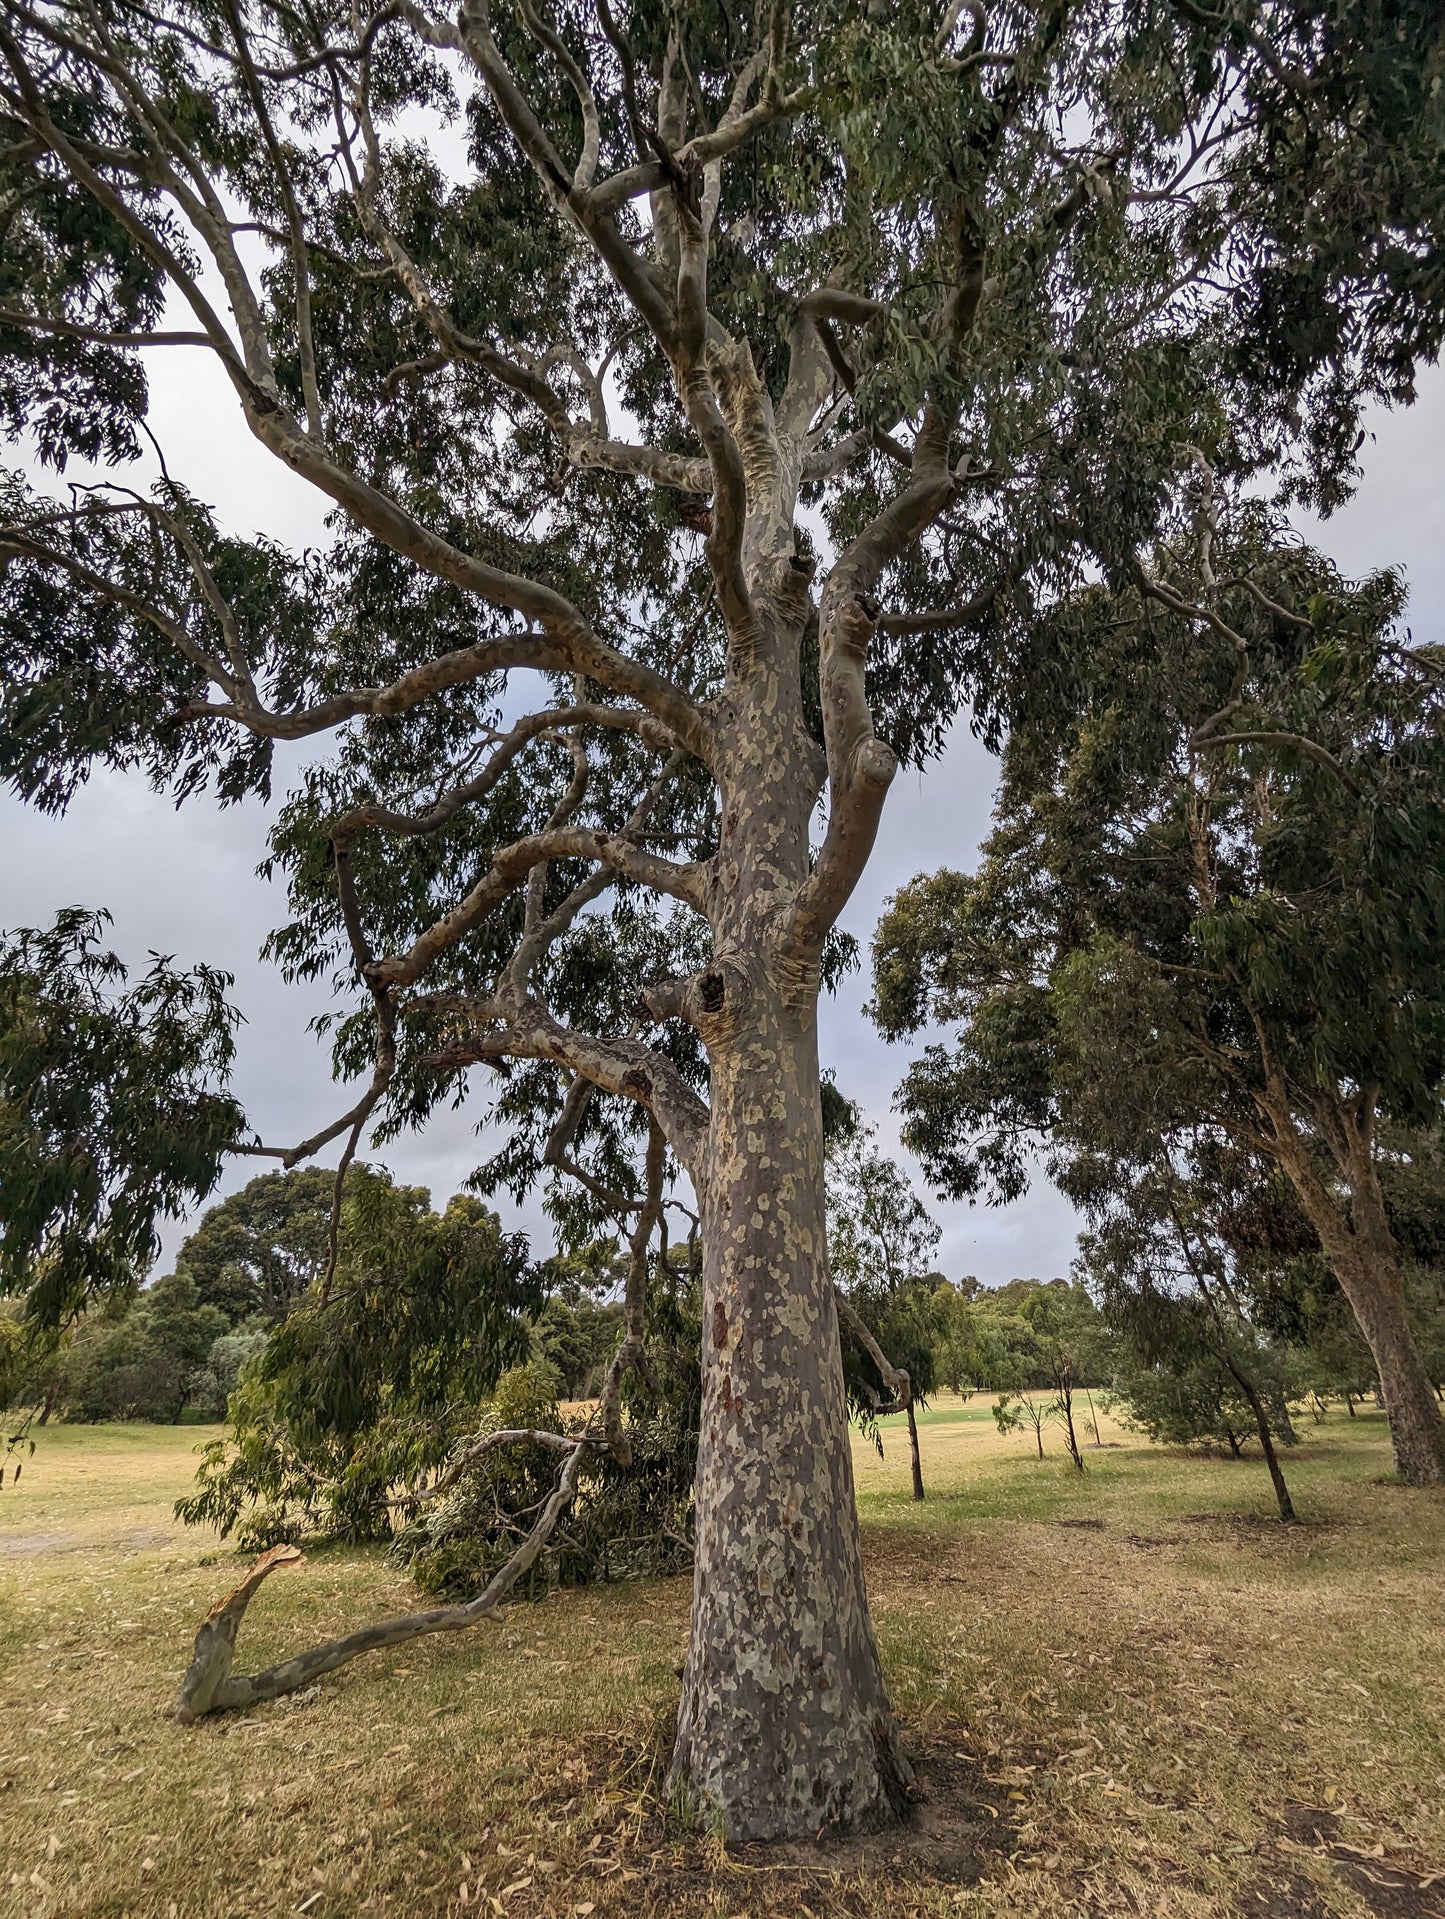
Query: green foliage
x=1092, y=309
x=880, y=1244
x=577, y=1336
x=1191, y=1399
x=1146, y=916
x=112, y=1111
x=626, y=1522
x=259, y=1250
x=368, y=1389
x=1184, y=1261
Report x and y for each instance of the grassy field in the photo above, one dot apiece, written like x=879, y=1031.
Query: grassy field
x=1130, y=1693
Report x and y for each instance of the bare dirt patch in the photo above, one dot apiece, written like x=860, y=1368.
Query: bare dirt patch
x=1391, y=1887
x=31, y=1545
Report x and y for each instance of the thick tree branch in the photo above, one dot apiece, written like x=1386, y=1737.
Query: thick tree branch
x=861, y=766
x=622, y=1065
x=210, y=1685
x=508, y=872
x=893, y=1377
x=535, y=726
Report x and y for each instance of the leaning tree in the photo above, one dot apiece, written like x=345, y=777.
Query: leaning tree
x=739, y=382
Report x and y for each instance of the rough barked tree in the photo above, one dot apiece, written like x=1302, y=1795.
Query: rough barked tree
x=1214, y=901
x=943, y=283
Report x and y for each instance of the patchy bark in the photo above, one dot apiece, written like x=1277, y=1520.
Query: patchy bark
x=785, y=1725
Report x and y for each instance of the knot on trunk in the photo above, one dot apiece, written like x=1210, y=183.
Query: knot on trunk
x=713, y=1000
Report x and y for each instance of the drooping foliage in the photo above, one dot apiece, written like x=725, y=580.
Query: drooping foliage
x=1186, y=1295
x=1214, y=899
x=113, y=1111
x=366, y=1388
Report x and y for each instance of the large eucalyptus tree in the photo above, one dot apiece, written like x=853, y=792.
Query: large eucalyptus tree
x=734, y=380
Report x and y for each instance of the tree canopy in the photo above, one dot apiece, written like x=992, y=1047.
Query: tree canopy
x=1213, y=899
x=112, y=1110
x=259, y=1250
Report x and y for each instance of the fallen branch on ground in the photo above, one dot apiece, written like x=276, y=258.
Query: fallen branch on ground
x=210, y=1685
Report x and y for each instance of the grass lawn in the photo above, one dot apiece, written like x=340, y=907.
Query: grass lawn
x=1129, y=1693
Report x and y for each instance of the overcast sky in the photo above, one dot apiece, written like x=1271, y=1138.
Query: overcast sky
x=185, y=882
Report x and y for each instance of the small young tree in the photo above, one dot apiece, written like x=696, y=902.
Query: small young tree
x=1193, y=1365
x=880, y=1243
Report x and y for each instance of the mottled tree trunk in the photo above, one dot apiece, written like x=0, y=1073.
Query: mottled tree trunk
x=1370, y=1279
x=784, y=1725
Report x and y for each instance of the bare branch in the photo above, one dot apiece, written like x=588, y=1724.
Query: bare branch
x=509, y=870
x=861, y=766
x=535, y=726
x=622, y=1065
x=210, y=1686
x=632, y=1353
x=1297, y=741
x=69, y=330
x=300, y=267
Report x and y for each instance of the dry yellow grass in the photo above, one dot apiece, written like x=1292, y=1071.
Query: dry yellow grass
x=1163, y=1704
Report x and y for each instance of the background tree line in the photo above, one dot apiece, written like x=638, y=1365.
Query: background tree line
x=1201, y=1311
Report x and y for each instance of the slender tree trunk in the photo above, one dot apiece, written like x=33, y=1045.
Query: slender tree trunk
x=1266, y=1440
x=1236, y=1451
x=913, y=1452
x=1093, y=1418
x=1350, y=1404
x=784, y=1726
x=1066, y=1401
